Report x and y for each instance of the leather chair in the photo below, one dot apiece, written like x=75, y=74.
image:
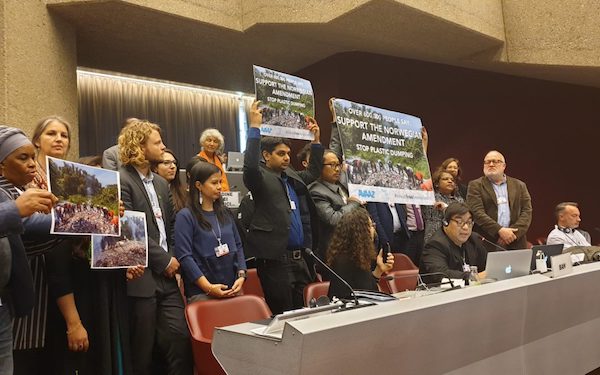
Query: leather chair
x=401, y=280
x=404, y=275
x=252, y=284
x=403, y=262
x=315, y=290
x=203, y=316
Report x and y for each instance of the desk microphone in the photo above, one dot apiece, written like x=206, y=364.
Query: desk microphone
x=491, y=243
x=312, y=254
x=420, y=281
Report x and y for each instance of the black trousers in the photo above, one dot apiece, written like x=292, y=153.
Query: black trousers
x=158, y=325
x=283, y=282
x=414, y=247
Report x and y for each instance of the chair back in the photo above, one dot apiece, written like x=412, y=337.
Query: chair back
x=203, y=316
x=400, y=281
x=252, y=284
x=403, y=262
x=315, y=290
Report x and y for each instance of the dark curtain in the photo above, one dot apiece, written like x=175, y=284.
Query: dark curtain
x=182, y=113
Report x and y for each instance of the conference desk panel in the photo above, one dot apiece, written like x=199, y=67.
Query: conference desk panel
x=528, y=325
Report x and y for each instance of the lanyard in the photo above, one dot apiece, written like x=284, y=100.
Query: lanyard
x=218, y=227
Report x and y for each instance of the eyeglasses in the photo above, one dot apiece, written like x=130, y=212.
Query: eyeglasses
x=334, y=165
x=488, y=162
x=461, y=223
x=168, y=163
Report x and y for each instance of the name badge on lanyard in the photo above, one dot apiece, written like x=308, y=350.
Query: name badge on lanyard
x=221, y=250
x=157, y=212
x=292, y=204
x=502, y=200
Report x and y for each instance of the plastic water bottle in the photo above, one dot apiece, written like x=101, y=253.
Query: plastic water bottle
x=474, y=276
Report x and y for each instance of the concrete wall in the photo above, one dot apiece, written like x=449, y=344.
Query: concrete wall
x=37, y=66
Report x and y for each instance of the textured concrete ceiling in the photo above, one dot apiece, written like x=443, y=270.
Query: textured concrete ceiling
x=133, y=39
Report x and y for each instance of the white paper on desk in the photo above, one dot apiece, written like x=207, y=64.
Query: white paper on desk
x=577, y=258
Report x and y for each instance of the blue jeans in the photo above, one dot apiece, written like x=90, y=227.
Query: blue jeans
x=6, y=359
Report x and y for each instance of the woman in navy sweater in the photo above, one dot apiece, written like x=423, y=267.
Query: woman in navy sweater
x=207, y=243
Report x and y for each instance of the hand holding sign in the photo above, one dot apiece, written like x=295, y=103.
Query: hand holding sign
x=314, y=128
x=255, y=115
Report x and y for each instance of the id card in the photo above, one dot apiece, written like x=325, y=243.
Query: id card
x=501, y=200
x=466, y=268
x=293, y=205
x=221, y=250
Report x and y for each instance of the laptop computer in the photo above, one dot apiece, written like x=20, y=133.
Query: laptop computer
x=502, y=265
x=235, y=161
x=548, y=250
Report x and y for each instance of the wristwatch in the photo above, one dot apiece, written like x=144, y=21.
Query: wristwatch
x=242, y=273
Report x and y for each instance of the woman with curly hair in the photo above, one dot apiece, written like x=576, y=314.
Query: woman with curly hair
x=351, y=254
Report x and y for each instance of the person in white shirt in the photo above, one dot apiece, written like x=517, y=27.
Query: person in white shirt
x=565, y=231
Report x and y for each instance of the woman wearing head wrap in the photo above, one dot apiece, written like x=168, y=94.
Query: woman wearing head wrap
x=51, y=137
x=17, y=168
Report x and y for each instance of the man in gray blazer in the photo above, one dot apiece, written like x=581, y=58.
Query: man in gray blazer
x=156, y=306
x=501, y=205
x=331, y=199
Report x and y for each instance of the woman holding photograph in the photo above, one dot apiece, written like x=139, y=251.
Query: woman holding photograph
x=207, y=243
x=91, y=333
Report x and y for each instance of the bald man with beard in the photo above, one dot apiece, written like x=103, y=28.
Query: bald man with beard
x=501, y=205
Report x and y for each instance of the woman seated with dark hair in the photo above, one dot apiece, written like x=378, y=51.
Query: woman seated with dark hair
x=351, y=254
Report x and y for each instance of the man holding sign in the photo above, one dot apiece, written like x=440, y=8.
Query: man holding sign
x=280, y=228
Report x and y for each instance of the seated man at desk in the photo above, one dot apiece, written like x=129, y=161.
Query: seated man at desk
x=565, y=231
x=452, y=250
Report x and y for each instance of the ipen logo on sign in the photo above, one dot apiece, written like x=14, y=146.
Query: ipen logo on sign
x=266, y=130
x=366, y=193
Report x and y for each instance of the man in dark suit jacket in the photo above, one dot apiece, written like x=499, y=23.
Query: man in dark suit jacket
x=331, y=199
x=156, y=306
x=396, y=236
x=453, y=249
x=280, y=228
x=501, y=205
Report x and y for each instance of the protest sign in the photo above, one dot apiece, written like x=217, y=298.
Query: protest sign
x=285, y=102
x=383, y=151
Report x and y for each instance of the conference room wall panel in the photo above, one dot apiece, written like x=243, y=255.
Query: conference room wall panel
x=548, y=131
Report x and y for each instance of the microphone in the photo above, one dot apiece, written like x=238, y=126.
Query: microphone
x=422, y=284
x=312, y=254
x=493, y=244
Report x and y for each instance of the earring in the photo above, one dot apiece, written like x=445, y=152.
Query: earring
x=200, y=198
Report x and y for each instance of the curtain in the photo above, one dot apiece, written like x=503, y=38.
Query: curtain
x=182, y=113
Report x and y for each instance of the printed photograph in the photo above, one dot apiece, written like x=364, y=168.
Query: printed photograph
x=88, y=198
x=129, y=249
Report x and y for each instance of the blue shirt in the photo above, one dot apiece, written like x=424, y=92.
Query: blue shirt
x=296, y=236
x=195, y=250
x=501, y=191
